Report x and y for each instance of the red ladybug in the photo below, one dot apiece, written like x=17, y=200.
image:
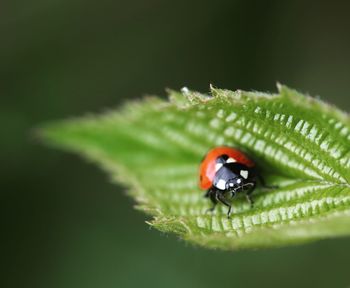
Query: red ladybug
x=225, y=172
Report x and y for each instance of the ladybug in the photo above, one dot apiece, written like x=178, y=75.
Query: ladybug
x=226, y=172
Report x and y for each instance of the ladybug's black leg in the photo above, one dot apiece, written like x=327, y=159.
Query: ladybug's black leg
x=249, y=195
x=264, y=185
x=211, y=194
x=222, y=199
x=250, y=198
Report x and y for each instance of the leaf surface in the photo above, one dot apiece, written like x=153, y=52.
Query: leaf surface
x=154, y=148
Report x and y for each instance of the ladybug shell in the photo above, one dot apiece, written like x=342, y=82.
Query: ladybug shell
x=207, y=167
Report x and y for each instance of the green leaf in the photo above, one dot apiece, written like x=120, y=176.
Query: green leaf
x=154, y=147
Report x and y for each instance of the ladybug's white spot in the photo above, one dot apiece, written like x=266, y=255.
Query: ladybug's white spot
x=221, y=184
x=239, y=181
x=231, y=160
x=244, y=174
x=218, y=166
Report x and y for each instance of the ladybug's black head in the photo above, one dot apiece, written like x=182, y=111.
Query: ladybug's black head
x=238, y=184
x=234, y=177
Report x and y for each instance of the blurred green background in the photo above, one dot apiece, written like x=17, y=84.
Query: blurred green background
x=64, y=223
